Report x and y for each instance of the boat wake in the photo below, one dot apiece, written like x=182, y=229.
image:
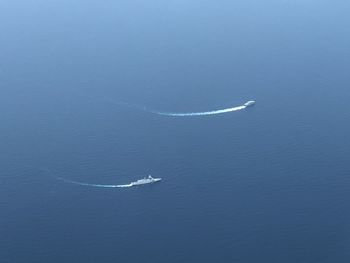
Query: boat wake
x=93, y=185
x=183, y=114
x=146, y=180
x=205, y=113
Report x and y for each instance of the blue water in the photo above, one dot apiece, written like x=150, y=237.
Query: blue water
x=266, y=184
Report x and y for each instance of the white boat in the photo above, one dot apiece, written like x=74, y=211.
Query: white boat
x=249, y=103
x=146, y=180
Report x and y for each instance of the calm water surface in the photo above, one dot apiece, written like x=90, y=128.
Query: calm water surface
x=267, y=184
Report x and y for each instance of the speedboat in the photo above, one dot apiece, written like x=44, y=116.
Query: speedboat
x=146, y=180
x=249, y=103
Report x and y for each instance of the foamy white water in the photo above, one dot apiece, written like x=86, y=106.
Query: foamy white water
x=94, y=185
x=182, y=114
x=86, y=184
x=143, y=181
x=204, y=113
x=136, y=183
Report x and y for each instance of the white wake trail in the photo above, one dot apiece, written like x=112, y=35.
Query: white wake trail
x=85, y=184
x=93, y=185
x=204, y=113
x=180, y=114
x=143, y=181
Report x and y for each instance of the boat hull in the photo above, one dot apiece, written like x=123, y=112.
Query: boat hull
x=146, y=181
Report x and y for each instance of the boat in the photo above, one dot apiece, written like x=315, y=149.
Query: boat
x=146, y=180
x=249, y=103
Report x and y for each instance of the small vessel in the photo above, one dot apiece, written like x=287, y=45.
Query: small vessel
x=249, y=103
x=146, y=180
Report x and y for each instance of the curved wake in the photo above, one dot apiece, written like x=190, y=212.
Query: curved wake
x=86, y=184
x=94, y=185
x=183, y=114
x=204, y=113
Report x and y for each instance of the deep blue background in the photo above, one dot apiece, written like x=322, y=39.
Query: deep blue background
x=268, y=184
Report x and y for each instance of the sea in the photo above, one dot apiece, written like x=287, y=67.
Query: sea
x=90, y=93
